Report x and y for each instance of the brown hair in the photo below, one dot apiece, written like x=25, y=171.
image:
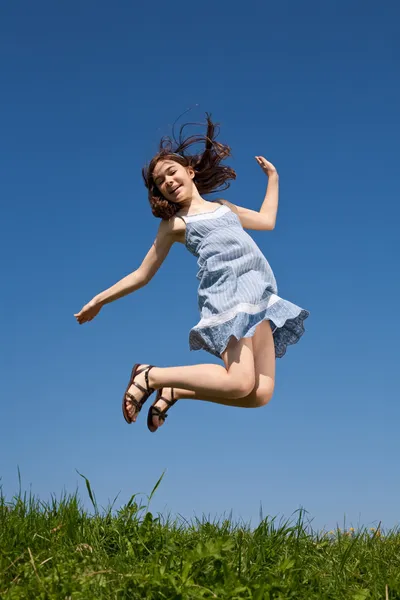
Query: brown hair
x=210, y=175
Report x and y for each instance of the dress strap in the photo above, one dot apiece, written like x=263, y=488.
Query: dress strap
x=203, y=216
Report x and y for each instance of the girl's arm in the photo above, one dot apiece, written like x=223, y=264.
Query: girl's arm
x=265, y=219
x=134, y=281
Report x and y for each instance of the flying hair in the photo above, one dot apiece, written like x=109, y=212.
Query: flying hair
x=210, y=174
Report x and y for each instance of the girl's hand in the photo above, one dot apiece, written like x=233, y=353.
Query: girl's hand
x=266, y=166
x=88, y=312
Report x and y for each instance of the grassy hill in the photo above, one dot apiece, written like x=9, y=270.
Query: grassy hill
x=57, y=550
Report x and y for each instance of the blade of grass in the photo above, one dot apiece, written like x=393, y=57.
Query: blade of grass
x=91, y=495
x=155, y=488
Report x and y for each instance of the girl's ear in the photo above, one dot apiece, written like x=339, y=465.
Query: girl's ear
x=191, y=172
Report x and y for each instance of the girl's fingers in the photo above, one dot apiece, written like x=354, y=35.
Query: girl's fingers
x=266, y=166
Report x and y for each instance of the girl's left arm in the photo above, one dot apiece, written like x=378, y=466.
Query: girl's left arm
x=265, y=218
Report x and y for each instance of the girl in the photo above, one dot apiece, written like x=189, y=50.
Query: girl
x=243, y=321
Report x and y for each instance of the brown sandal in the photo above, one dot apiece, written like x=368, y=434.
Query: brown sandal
x=147, y=392
x=154, y=411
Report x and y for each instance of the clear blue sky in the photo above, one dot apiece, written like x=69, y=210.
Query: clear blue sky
x=87, y=90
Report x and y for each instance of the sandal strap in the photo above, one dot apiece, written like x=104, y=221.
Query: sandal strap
x=138, y=371
x=146, y=370
x=146, y=391
x=146, y=376
x=128, y=397
x=140, y=387
x=169, y=402
x=163, y=412
x=139, y=403
x=155, y=411
x=133, y=401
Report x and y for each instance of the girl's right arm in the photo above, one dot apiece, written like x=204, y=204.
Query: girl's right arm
x=151, y=263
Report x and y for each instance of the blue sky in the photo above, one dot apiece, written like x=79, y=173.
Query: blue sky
x=87, y=91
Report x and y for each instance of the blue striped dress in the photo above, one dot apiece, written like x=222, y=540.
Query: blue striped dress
x=237, y=288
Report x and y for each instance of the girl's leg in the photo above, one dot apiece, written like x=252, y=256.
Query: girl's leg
x=263, y=352
x=235, y=380
x=264, y=366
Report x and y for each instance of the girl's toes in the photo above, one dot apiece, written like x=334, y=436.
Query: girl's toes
x=162, y=403
x=156, y=421
x=131, y=411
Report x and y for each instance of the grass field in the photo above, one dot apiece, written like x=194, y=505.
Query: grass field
x=57, y=550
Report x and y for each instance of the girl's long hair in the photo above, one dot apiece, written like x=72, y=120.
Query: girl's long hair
x=210, y=174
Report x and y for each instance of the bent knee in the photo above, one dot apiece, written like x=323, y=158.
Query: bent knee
x=242, y=387
x=262, y=395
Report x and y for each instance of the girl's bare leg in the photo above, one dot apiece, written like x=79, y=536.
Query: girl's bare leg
x=246, y=380
x=261, y=394
x=235, y=380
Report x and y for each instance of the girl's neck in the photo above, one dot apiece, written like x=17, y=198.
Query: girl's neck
x=194, y=204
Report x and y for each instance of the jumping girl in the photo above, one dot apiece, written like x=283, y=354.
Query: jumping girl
x=243, y=321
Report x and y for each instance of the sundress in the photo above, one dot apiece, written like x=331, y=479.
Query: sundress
x=237, y=288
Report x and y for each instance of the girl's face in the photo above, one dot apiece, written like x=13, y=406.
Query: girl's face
x=174, y=181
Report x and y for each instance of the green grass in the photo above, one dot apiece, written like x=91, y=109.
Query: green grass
x=57, y=550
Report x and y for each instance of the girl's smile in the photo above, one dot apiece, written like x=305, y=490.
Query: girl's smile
x=173, y=180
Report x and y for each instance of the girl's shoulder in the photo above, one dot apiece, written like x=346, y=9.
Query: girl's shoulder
x=233, y=207
x=174, y=228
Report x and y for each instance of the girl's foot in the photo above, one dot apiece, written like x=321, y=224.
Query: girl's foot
x=158, y=411
x=137, y=392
